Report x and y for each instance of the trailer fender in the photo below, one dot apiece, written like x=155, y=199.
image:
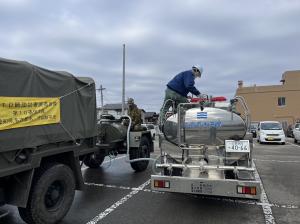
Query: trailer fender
x=135, y=139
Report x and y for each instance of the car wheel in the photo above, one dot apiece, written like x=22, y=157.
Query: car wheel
x=258, y=140
x=94, y=160
x=142, y=152
x=295, y=140
x=283, y=143
x=51, y=195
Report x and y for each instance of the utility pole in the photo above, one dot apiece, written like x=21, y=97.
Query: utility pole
x=123, y=83
x=101, y=95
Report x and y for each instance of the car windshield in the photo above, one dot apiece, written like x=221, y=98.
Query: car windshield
x=271, y=126
x=297, y=125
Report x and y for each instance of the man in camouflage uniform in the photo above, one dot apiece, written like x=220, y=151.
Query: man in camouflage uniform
x=135, y=114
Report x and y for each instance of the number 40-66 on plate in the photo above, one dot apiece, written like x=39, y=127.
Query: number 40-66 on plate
x=237, y=146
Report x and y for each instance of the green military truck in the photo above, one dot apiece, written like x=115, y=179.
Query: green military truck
x=48, y=129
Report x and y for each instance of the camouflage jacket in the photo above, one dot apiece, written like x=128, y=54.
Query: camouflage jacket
x=135, y=115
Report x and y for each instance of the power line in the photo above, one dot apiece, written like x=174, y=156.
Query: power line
x=101, y=95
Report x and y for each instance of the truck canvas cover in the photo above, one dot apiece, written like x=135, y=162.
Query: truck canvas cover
x=39, y=106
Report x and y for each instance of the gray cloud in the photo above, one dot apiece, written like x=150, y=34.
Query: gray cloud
x=252, y=41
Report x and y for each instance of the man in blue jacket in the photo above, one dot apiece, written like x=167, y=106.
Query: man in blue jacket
x=178, y=89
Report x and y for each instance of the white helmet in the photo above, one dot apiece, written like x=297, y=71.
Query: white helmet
x=197, y=68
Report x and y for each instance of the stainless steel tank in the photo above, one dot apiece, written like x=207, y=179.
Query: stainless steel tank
x=211, y=127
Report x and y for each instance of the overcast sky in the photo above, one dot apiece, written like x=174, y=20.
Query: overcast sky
x=253, y=41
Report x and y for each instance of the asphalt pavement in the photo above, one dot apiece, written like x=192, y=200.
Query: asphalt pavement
x=116, y=194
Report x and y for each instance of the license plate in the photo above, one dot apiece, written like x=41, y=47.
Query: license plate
x=270, y=138
x=237, y=146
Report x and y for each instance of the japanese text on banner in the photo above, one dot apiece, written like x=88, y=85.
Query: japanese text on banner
x=17, y=112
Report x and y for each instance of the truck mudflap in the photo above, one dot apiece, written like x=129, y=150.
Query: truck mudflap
x=219, y=187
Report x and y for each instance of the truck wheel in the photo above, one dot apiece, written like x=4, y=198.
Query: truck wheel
x=51, y=195
x=142, y=152
x=93, y=161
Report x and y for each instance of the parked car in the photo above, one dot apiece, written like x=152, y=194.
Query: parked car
x=270, y=131
x=289, y=131
x=253, y=129
x=151, y=128
x=296, y=132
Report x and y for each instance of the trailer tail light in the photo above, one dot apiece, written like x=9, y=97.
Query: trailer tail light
x=246, y=190
x=161, y=184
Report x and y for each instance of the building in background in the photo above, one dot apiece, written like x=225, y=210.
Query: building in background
x=151, y=117
x=274, y=102
x=115, y=109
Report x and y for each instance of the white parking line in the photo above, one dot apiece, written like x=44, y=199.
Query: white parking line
x=277, y=161
x=266, y=145
x=247, y=202
x=121, y=187
x=109, y=210
x=293, y=144
x=267, y=210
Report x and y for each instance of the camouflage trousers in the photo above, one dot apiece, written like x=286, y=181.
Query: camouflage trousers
x=172, y=99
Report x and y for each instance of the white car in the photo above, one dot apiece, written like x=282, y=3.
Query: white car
x=296, y=132
x=270, y=131
x=151, y=128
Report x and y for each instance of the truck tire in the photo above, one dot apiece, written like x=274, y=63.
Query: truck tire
x=142, y=152
x=51, y=195
x=93, y=160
